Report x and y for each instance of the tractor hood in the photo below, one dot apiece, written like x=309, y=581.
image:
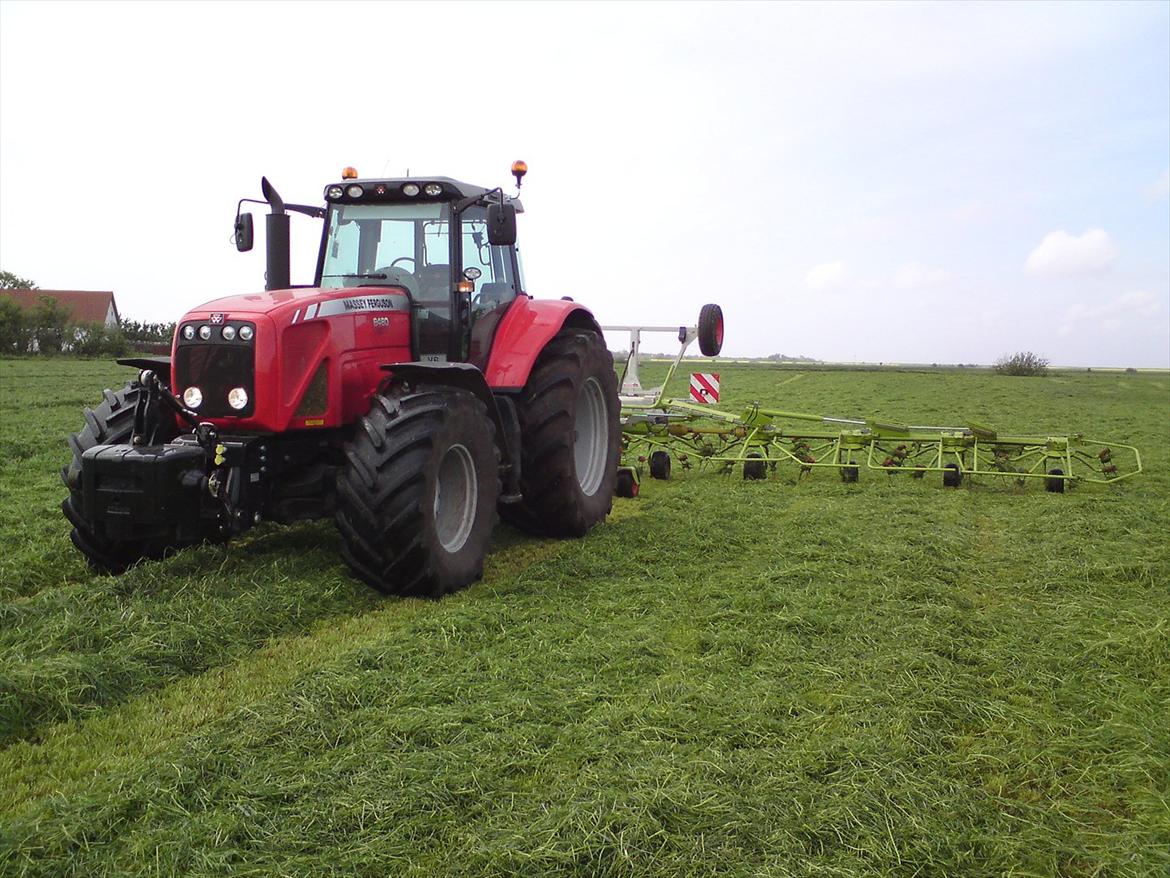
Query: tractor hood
x=284, y=307
x=302, y=358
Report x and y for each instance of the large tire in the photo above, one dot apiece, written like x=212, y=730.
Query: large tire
x=570, y=438
x=416, y=501
x=110, y=423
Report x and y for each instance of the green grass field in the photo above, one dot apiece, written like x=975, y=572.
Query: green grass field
x=727, y=678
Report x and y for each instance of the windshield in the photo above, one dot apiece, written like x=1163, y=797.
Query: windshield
x=406, y=245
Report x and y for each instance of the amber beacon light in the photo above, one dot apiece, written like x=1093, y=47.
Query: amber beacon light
x=519, y=169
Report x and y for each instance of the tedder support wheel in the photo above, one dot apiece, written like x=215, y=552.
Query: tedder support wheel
x=570, y=438
x=710, y=330
x=110, y=423
x=1055, y=485
x=416, y=500
x=626, y=485
x=952, y=475
x=755, y=469
x=850, y=473
x=660, y=465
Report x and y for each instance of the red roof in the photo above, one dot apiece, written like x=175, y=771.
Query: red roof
x=85, y=306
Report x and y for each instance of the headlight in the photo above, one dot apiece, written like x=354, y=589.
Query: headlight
x=355, y=191
x=192, y=397
x=237, y=398
x=205, y=332
x=188, y=332
x=246, y=333
x=433, y=189
x=410, y=189
x=228, y=333
x=334, y=192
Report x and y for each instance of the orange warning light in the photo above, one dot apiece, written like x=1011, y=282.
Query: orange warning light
x=519, y=169
x=349, y=174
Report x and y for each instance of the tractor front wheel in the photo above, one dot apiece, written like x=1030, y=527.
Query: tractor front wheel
x=110, y=423
x=416, y=500
x=570, y=438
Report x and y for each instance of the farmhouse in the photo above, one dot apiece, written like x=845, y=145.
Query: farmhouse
x=84, y=306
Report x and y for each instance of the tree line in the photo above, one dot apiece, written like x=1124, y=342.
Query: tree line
x=49, y=329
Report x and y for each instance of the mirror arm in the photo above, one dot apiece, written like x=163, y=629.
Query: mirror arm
x=307, y=210
x=241, y=203
x=463, y=203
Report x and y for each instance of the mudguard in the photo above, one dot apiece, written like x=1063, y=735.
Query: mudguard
x=522, y=334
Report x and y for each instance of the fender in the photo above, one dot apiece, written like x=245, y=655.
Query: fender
x=527, y=327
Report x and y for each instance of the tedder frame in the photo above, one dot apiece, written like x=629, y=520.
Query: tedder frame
x=657, y=430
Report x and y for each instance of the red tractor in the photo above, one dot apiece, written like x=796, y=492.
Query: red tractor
x=410, y=392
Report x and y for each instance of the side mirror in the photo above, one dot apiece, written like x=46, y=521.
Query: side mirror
x=501, y=222
x=243, y=232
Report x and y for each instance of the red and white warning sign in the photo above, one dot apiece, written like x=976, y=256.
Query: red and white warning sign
x=705, y=386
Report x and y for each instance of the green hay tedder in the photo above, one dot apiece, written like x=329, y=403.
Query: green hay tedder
x=660, y=432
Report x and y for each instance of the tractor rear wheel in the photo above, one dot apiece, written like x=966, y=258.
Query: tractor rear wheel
x=416, y=500
x=110, y=423
x=570, y=438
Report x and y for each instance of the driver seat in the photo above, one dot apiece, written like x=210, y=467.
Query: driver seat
x=397, y=277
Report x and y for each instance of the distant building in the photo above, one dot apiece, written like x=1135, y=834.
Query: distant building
x=84, y=306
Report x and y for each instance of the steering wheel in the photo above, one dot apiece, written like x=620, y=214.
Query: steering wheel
x=401, y=259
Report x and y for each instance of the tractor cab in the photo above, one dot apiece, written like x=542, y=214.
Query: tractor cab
x=449, y=245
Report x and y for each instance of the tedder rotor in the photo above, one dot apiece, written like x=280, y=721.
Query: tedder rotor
x=662, y=431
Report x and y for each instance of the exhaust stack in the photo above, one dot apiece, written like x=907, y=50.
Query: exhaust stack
x=276, y=274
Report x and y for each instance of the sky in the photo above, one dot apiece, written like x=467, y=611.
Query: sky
x=852, y=182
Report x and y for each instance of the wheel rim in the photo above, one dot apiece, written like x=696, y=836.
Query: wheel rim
x=590, y=443
x=456, y=497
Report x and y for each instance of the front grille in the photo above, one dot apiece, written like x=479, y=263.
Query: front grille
x=215, y=369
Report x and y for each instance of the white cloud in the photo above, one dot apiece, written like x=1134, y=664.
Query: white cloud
x=1113, y=314
x=827, y=277
x=915, y=276
x=1161, y=187
x=1062, y=255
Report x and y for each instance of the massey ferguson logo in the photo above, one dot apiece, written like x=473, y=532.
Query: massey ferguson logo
x=216, y=319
